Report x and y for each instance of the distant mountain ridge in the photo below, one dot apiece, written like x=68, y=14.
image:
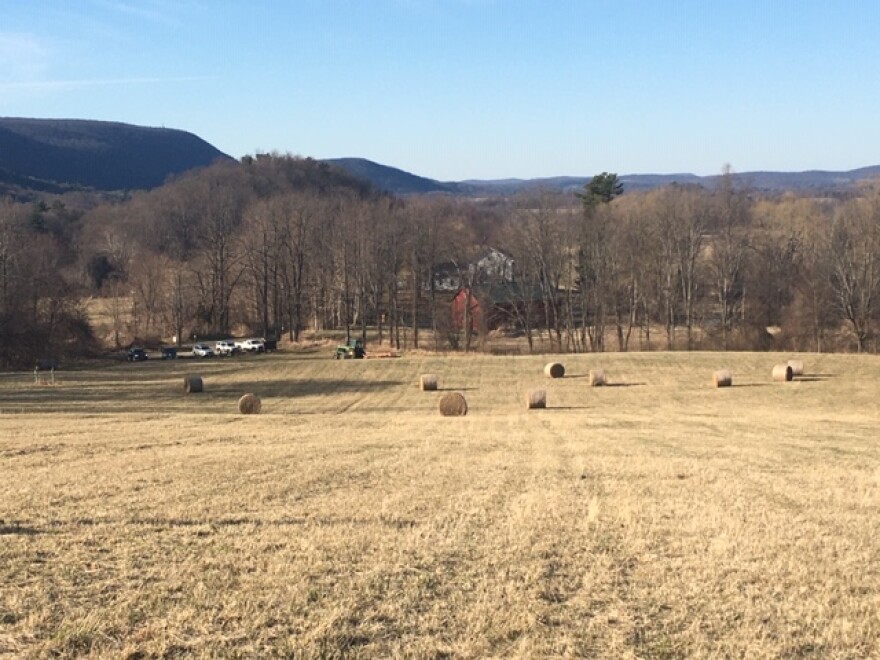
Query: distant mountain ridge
x=398, y=181
x=56, y=154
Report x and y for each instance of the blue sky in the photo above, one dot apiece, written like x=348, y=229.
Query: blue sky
x=458, y=89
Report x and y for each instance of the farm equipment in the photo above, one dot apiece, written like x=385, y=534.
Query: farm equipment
x=354, y=349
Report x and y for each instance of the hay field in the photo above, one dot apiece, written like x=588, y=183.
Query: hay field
x=656, y=517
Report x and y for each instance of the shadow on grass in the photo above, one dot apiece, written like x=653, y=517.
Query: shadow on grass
x=287, y=521
x=167, y=395
x=457, y=389
x=18, y=530
x=813, y=378
x=580, y=376
x=300, y=388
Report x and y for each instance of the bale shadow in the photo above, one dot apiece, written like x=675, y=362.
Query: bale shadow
x=815, y=377
x=456, y=389
x=624, y=385
x=567, y=408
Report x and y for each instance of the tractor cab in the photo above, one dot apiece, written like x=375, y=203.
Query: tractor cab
x=354, y=349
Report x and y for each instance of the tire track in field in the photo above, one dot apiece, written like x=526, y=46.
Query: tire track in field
x=424, y=579
x=566, y=546
x=577, y=558
x=501, y=561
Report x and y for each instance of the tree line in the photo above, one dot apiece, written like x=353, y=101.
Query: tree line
x=279, y=246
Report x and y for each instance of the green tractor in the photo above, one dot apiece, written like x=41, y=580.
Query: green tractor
x=354, y=349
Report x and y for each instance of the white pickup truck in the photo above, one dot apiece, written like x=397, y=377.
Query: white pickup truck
x=251, y=345
x=226, y=347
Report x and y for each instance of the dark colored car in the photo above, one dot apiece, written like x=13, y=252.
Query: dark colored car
x=137, y=355
x=169, y=353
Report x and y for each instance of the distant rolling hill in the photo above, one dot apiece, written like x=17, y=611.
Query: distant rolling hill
x=52, y=155
x=400, y=182
x=57, y=155
x=391, y=179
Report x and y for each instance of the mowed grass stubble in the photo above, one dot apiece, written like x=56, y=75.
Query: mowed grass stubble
x=655, y=517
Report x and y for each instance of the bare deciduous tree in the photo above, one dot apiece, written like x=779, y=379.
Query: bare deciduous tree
x=855, y=263
x=729, y=222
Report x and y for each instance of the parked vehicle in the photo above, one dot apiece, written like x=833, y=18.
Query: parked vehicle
x=137, y=354
x=169, y=353
x=251, y=345
x=202, y=350
x=226, y=347
x=46, y=364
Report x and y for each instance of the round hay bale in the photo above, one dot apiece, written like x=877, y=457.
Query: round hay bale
x=797, y=367
x=453, y=404
x=782, y=373
x=554, y=370
x=597, y=378
x=428, y=383
x=192, y=384
x=249, y=404
x=536, y=399
x=722, y=378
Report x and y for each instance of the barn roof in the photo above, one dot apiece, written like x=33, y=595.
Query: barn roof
x=505, y=292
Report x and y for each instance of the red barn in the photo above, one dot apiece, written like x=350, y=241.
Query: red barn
x=494, y=306
x=459, y=305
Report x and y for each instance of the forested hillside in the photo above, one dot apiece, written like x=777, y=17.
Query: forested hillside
x=178, y=257
x=276, y=245
x=391, y=179
x=53, y=155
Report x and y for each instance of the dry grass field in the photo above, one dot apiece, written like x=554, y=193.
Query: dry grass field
x=657, y=517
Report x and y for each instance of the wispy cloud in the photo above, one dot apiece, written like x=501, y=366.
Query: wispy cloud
x=23, y=56
x=64, y=85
